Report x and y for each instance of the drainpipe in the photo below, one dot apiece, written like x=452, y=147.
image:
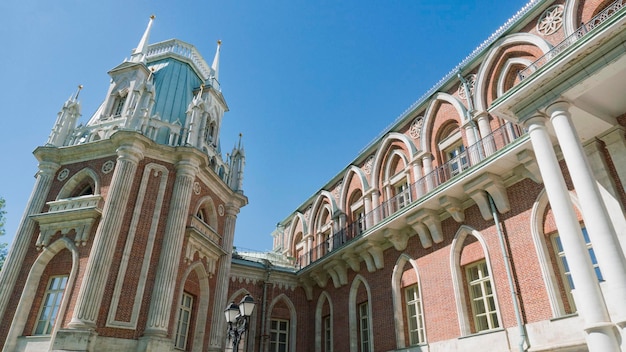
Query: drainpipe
x=268, y=271
x=509, y=276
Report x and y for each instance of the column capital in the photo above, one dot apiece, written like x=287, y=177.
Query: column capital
x=558, y=106
x=535, y=119
x=48, y=167
x=187, y=167
x=132, y=152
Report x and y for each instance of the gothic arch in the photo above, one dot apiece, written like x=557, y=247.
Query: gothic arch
x=383, y=151
x=30, y=289
x=429, y=117
x=352, y=312
x=292, y=318
x=543, y=254
x=482, y=77
x=206, y=207
x=569, y=16
x=203, y=303
x=463, y=312
x=318, y=205
x=351, y=172
x=324, y=297
x=396, y=291
x=509, y=65
x=293, y=227
x=75, y=181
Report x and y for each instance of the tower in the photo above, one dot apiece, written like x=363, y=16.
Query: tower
x=126, y=240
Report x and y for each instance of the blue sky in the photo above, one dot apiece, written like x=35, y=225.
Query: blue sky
x=309, y=83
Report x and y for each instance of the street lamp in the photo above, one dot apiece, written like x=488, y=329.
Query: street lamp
x=237, y=318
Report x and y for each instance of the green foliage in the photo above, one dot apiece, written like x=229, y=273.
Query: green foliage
x=2, y=218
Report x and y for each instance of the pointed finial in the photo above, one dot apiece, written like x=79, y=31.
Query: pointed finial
x=80, y=87
x=139, y=54
x=240, y=135
x=216, y=61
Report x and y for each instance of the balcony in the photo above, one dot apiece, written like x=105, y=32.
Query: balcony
x=581, y=32
x=417, y=192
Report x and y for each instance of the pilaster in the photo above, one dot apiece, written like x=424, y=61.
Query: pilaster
x=169, y=259
x=97, y=270
x=13, y=262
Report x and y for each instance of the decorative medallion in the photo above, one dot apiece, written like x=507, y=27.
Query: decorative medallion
x=337, y=191
x=108, y=166
x=551, y=20
x=471, y=82
x=63, y=174
x=367, y=168
x=196, y=188
x=416, y=127
x=220, y=209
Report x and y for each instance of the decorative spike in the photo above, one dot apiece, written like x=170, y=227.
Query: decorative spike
x=80, y=87
x=216, y=61
x=139, y=54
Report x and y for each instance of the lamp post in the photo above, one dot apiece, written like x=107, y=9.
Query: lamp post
x=237, y=318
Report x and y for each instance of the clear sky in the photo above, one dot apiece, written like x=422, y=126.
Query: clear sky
x=309, y=83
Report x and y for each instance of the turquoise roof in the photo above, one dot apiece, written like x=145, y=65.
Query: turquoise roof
x=174, y=83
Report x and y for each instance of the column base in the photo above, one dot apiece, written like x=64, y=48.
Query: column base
x=154, y=343
x=75, y=340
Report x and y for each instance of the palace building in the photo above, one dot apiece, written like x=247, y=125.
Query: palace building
x=489, y=216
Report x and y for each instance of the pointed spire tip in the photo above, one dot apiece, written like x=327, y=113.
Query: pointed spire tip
x=152, y=16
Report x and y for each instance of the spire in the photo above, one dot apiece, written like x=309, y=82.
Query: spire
x=216, y=62
x=139, y=54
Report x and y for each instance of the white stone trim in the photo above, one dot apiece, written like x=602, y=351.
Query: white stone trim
x=324, y=297
x=30, y=289
x=150, y=170
x=352, y=312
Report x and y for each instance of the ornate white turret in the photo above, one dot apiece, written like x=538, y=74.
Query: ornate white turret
x=237, y=163
x=165, y=91
x=66, y=120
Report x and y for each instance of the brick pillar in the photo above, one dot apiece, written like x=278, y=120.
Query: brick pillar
x=218, y=321
x=163, y=294
x=104, y=242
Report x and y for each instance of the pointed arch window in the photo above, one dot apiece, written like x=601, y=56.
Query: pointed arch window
x=364, y=327
x=184, y=320
x=328, y=334
x=50, y=305
x=118, y=105
x=564, y=270
x=481, y=295
x=279, y=335
x=414, y=315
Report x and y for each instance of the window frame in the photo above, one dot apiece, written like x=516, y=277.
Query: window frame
x=364, y=327
x=57, y=294
x=327, y=328
x=484, y=305
x=417, y=336
x=184, y=319
x=277, y=331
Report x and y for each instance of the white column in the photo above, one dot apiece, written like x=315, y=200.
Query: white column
x=485, y=132
x=218, y=321
x=474, y=150
x=105, y=240
x=24, y=235
x=597, y=221
x=376, y=206
x=162, y=299
x=367, y=207
x=417, y=177
x=600, y=334
x=427, y=163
